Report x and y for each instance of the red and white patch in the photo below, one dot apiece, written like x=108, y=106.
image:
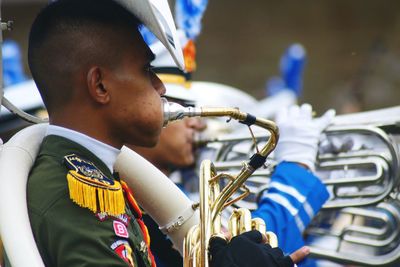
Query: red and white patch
x=124, y=218
x=124, y=251
x=120, y=229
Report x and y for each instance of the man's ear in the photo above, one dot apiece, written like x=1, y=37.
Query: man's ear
x=96, y=87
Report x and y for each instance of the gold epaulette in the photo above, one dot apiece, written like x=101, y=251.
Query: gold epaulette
x=90, y=188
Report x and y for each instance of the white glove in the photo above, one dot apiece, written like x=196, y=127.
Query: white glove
x=299, y=134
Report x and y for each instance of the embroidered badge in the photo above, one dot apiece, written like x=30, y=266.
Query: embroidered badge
x=90, y=188
x=120, y=229
x=143, y=247
x=124, y=251
x=124, y=218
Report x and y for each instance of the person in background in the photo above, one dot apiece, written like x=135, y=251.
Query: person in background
x=295, y=194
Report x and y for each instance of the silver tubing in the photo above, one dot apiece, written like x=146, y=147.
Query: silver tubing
x=20, y=113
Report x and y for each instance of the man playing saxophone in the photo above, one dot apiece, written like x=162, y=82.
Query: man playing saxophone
x=93, y=71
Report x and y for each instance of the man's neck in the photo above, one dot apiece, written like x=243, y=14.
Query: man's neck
x=88, y=125
x=106, y=153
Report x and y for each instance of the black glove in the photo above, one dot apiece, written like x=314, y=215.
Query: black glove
x=245, y=250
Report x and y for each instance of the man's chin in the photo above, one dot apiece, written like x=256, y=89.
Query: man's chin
x=151, y=142
x=148, y=141
x=187, y=163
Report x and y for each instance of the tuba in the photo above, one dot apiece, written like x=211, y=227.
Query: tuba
x=359, y=162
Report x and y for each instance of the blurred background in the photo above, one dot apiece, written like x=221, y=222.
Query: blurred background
x=353, y=47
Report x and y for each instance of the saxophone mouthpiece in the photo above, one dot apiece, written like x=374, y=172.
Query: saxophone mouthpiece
x=174, y=111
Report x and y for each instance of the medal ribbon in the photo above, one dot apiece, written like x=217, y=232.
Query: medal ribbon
x=138, y=215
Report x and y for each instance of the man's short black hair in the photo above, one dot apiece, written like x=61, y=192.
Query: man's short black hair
x=66, y=35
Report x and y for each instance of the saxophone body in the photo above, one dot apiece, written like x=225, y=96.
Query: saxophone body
x=217, y=189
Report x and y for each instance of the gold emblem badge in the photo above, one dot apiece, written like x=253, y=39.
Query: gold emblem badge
x=90, y=188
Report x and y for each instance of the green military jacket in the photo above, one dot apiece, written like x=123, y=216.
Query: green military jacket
x=68, y=235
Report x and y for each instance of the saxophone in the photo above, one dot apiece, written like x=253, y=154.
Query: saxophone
x=213, y=199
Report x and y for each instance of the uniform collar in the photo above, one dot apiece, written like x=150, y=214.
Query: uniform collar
x=104, y=152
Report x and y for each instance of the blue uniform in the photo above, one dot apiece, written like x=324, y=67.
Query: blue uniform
x=294, y=197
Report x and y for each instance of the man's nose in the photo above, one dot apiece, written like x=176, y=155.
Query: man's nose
x=158, y=84
x=198, y=124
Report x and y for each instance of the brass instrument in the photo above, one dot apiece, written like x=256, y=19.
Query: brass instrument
x=213, y=199
x=364, y=228
x=367, y=236
x=359, y=162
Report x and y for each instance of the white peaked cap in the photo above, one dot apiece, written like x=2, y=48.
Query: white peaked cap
x=179, y=92
x=156, y=15
x=163, y=60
